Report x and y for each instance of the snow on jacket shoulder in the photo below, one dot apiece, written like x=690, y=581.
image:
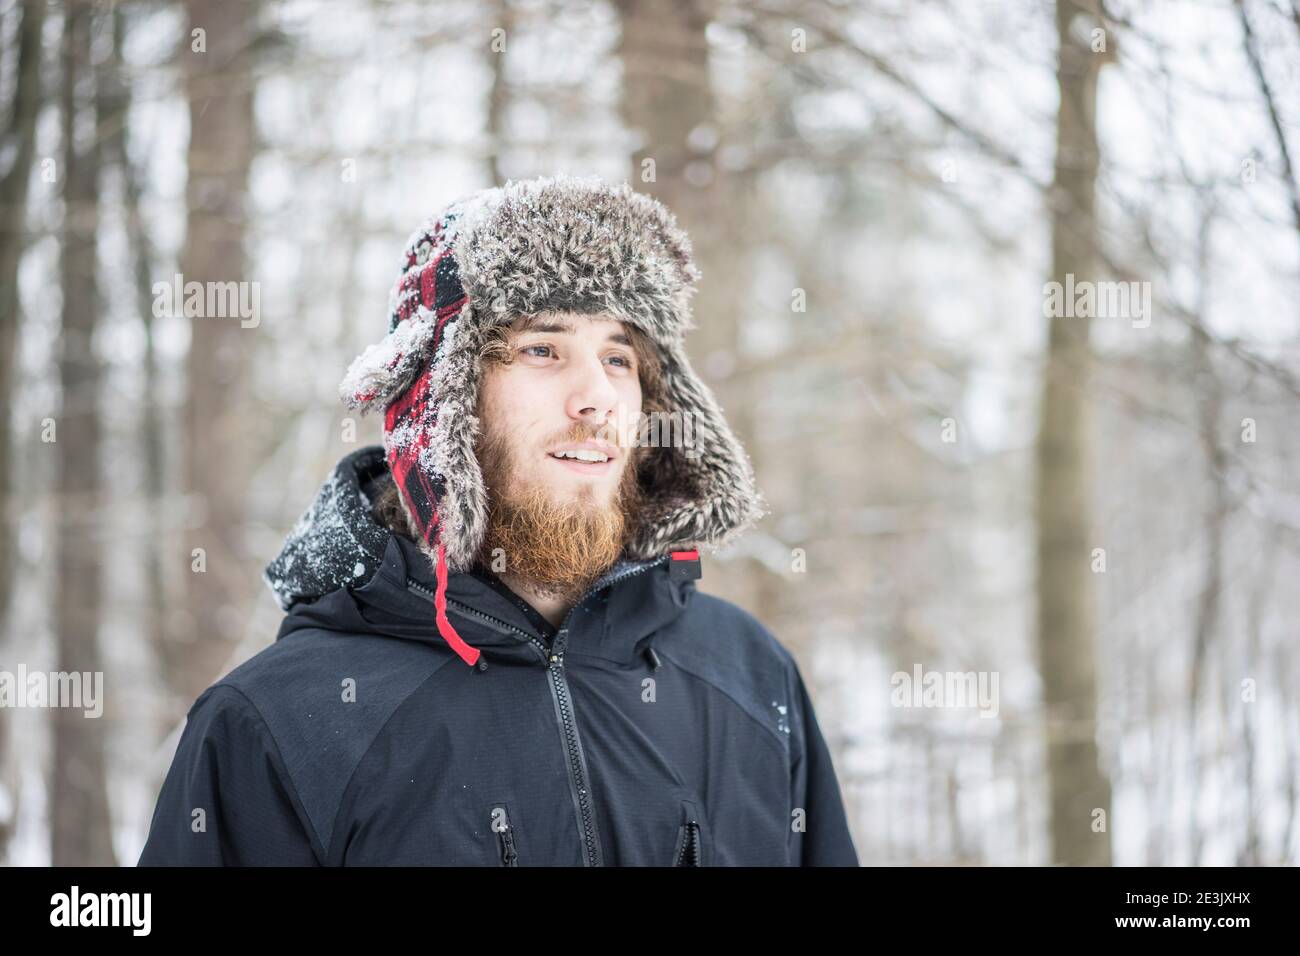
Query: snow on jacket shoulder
x=660, y=726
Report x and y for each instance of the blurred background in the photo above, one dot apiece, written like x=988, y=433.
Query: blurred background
x=1093, y=514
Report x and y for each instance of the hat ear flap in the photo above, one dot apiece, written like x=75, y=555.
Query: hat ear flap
x=384, y=369
x=717, y=496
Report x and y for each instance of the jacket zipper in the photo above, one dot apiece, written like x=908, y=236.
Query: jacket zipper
x=554, y=661
x=564, y=703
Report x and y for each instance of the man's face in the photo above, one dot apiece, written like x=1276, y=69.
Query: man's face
x=572, y=385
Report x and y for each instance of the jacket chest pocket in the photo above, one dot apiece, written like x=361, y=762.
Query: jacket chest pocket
x=504, y=841
x=691, y=837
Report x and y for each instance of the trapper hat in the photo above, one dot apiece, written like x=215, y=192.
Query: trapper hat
x=575, y=244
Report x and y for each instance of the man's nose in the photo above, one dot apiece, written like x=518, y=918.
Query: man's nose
x=591, y=396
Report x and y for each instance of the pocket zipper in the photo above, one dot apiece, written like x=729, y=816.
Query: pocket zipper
x=508, y=855
x=506, y=837
x=688, y=845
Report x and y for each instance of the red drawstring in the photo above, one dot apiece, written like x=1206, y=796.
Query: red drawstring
x=468, y=654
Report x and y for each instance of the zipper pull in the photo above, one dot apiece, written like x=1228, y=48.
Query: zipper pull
x=561, y=639
x=506, y=833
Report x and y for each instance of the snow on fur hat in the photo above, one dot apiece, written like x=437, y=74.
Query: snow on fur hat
x=524, y=249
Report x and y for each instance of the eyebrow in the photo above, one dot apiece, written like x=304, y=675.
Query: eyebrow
x=564, y=327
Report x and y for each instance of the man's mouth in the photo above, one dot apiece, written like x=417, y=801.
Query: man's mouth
x=584, y=461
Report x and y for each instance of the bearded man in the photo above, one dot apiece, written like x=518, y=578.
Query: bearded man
x=494, y=652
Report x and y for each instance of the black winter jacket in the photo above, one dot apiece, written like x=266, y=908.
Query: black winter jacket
x=659, y=726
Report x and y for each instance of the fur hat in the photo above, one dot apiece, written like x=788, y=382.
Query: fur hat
x=524, y=249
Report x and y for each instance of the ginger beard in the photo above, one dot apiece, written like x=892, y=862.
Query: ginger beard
x=558, y=539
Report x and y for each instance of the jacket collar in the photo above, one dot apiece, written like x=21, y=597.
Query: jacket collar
x=616, y=620
x=340, y=570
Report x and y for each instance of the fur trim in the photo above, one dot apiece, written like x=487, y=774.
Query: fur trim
x=386, y=368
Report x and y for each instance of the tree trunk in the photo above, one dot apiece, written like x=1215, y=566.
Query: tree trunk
x=153, y=425
x=1078, y=787
x=80, y=824
x=13, y=237
x=499, y=92
x=667, y=96
x=217, y=419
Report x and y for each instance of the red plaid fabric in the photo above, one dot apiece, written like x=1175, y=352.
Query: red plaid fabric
x=430, y=282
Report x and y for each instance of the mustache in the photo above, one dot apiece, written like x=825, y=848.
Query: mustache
x=608, y=433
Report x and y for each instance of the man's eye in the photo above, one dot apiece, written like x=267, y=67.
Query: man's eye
x=529, y=348
x=626, y=361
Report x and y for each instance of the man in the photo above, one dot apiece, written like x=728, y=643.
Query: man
x=494, y=652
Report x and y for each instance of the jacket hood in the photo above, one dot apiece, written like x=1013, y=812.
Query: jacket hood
x=340, y=570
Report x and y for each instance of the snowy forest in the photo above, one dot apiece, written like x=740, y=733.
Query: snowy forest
x=1002, y=298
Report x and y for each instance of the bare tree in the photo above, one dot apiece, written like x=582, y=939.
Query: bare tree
x=13, y=236
x=668, y=101
x=218, y=424
x=81, y=830
x=116, y=97
x=1066, y=630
